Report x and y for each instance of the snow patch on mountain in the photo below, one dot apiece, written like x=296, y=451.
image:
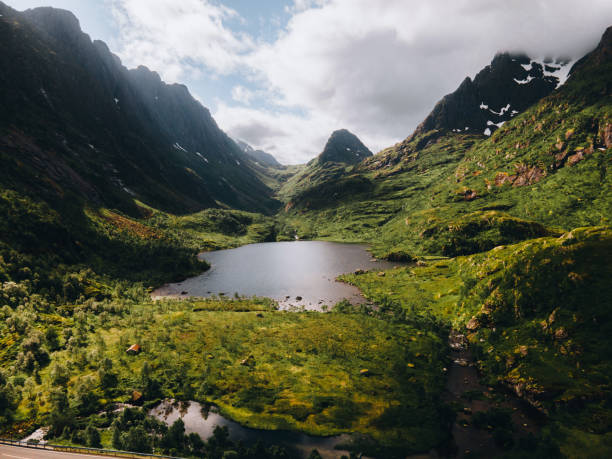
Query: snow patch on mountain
x=177, y=146
x=525, y=81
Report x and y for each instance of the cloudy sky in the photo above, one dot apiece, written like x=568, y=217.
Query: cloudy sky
x=283, y=74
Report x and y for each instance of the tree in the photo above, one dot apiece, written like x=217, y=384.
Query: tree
x=85, y=399
x=175, y=437
x=78, y=437
x=196, y=444
x=59, y=374
x=60, y=414
x=92, y=436
x=151, y=388
x=117, y=443
x=8, y=399
x=32, y=356
x=52, y=339
x=136, y=439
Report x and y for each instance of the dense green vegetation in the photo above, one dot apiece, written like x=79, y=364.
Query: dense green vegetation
x=538, y=317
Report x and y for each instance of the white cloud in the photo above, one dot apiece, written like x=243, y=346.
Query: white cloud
x=292, y=138
x=379, y=67
x=242, y=94
x=177, y=38
x=373, y=67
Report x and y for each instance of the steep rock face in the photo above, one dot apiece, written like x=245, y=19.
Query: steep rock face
x=260, y=156
x=74, y=120
x=506, y=87
x=344, y=147
x=198, y=141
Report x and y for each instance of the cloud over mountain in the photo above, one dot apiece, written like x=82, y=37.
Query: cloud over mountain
x=376, y=68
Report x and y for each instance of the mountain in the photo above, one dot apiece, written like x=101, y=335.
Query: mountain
x=546, y=164
x=506, y=87
x=344, y=147
x=75, y=121
x=263, y=158
x=327, y=178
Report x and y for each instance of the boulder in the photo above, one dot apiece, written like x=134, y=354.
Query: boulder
x=249, y=361
x=136, y=397
x=472, y=324
x=560, y=333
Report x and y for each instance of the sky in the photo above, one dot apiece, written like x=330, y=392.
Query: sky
x=282, y=75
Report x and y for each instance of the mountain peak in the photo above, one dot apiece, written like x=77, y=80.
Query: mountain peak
x=344, y=147
x=507, y=86
x=58, y=23
x=259, y=156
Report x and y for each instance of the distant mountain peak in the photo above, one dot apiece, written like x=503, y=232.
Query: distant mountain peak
x=501, y=90
x=344, y=147
x=259, y=156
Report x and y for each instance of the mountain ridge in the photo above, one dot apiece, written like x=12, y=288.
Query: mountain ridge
x=260, y=156
x=102, y=120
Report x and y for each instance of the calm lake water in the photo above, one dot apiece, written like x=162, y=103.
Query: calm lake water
x=203, y=424
x=283, y=271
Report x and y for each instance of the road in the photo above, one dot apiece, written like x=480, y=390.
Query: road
x=16, y=452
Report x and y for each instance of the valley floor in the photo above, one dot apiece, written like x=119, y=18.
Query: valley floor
x=534, y=312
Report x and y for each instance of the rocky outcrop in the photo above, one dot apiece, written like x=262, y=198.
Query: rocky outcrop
x=524, y=175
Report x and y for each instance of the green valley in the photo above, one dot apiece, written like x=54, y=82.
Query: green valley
x=504, y=238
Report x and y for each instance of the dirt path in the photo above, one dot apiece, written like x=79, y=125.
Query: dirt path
x=465, y=390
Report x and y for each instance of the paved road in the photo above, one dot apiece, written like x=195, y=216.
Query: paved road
x=15, y=452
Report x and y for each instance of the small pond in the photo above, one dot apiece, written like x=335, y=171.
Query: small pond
x=203, y=423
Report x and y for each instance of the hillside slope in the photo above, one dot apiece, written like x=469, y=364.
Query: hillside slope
x=74, y=120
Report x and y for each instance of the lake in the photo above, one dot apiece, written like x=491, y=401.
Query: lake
x=297, y=273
